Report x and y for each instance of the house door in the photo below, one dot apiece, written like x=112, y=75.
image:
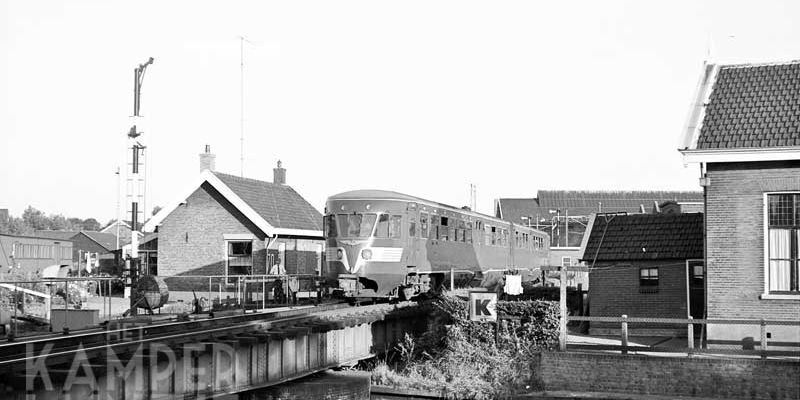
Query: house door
x=697, y=276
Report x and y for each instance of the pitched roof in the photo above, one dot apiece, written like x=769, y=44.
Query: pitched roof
x=744, y=108
x=55, y=235
x=107, y=240
x=644, y=237
x=583, y=203
x=753, y=106
x=279, y=204
x=276, y=209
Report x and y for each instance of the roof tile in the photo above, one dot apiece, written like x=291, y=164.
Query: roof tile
x=279, y=204
x=645, y=237
x=747, y=104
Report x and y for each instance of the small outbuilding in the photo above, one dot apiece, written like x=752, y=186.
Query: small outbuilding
x=644, y=265
x=225, y=227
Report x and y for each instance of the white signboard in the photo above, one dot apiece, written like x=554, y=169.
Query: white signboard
x=483, y=306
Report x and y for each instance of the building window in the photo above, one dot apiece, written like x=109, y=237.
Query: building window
x=648, y=277
x=566, y=261
x=240, y=257
x=783, y=238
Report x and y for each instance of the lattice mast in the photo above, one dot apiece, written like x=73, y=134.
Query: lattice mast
x=136, y=179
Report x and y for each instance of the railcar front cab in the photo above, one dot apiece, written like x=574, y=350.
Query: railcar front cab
x=368, y=248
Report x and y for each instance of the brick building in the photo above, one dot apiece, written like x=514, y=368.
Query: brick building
x=225, y=225
x=564, y=214
x=744, y=132
x=27, y=256
x=640, y=265
x=99, y=245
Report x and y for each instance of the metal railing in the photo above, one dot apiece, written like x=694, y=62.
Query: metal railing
x=216, y=292
x=685, y=336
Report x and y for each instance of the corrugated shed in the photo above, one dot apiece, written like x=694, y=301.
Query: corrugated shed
x=578, y=202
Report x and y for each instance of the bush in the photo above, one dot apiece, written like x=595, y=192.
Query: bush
x=463, y=358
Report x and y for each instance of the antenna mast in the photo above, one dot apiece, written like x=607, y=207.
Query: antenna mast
x=241, y=106
x=473, y=197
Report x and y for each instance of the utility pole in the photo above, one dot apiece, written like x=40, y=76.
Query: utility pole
x=118, y=204
x=137, y=150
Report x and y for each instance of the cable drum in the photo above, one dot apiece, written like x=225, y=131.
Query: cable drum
x=152, y=291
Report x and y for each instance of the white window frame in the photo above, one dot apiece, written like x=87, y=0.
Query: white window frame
x=766, y=295
x=227, y=238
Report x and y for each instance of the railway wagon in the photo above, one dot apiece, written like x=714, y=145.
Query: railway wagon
x=388, y=244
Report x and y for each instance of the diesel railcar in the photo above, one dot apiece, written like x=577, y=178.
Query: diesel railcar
x=388, y=244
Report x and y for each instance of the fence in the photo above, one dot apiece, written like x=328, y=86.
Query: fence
x=690, y=336
x=214, y=292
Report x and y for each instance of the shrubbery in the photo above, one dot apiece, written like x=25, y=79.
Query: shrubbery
x=462, y=359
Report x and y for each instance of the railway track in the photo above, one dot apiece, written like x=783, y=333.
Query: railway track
x=98, y=343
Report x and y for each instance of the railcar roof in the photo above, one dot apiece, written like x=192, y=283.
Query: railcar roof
x=391, y=195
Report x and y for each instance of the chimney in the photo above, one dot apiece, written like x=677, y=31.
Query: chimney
x=207, y=160
x=279, y=174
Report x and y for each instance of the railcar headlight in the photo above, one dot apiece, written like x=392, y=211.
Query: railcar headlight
x=339, y=254
x=366, y=254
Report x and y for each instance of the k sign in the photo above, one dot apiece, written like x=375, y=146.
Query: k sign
x=483, y=307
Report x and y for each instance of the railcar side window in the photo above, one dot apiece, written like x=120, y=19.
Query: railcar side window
x=412, y=228
x=494, y=236
x=395, y=226
x=423, y=225
x=382, y=230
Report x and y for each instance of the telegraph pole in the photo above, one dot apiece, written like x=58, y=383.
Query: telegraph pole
x=137, y=150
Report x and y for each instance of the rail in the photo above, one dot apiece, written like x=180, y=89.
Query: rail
x=133, y=333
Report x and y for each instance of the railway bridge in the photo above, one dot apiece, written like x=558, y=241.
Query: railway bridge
x=201, y=357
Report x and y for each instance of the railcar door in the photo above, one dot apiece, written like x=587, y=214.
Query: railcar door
x=411, y=245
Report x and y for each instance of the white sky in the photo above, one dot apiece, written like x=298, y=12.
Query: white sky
x=420, y=97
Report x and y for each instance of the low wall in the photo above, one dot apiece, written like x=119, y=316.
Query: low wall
x=677, y=376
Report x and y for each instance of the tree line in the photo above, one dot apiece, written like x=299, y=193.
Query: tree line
x=33, y=220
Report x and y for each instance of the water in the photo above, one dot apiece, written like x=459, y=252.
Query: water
x=328, y=385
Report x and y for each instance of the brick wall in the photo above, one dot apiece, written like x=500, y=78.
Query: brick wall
x=678, y=376
x=83, y=244
x=191, y=241
x=614, y=290
x=735, y=245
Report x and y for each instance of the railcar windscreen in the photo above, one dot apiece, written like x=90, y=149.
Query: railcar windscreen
x=356, y=225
